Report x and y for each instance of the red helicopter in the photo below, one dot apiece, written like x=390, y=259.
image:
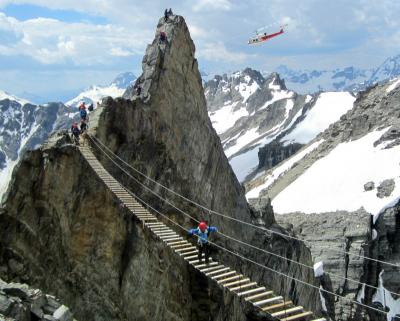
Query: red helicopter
x=262, y=37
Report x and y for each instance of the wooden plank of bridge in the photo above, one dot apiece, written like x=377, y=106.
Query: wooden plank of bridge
x=297, y=316
x=277, y=306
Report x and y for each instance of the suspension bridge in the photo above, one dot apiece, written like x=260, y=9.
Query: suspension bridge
x=262, y=298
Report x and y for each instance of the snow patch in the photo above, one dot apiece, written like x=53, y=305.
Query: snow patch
x=244, y=164
x=95, y=94
x=242, y=141
x=336, y=181
x=374, y=234
x=323, y=302
x=276, y=96
x=4, y=95
x=319, y=269
x=361, y=294
x=327, y=110
x=225, y=117
x=393, y=85
x=5, y=175
x=384, y=297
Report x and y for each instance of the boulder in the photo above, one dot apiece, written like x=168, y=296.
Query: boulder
x=63, y=314
x=385, y=188
x=369, y=186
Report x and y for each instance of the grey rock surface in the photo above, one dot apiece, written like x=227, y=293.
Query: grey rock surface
x=21, y=303
x=385, y=188
x=330, y=236
x=369, y=186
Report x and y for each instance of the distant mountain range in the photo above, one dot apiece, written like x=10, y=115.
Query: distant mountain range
x=250, y=111
x=95, y=93
x=24, y=125
x=346, y=79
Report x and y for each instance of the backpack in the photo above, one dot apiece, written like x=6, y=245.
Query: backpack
x=90, y=107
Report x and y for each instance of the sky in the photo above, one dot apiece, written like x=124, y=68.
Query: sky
x=55, y=48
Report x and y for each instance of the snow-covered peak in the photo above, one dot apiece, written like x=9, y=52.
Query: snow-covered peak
x=94, y=94
x=389, y=69
x=124, y=80
x=5, y=95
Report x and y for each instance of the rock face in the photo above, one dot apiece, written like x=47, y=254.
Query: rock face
x=329, y=236
x=63, y=231
x=276, y=152
x=20, y=303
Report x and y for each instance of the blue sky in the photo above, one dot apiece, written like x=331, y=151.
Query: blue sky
x=55, y=48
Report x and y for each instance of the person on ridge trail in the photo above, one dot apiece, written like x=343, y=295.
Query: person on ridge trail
x=163, y=37
x=83, y=126
x=83, y=114
x=166, y=15
x=75, y=133
x=202, y=231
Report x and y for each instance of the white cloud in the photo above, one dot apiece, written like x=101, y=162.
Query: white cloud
x=119, y=52
x=51, y=41
x=206, y=5
x=218, y=52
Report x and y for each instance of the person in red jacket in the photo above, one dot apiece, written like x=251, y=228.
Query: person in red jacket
x=202, y=231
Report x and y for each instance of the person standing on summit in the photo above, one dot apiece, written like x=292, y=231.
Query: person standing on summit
x=202, y=231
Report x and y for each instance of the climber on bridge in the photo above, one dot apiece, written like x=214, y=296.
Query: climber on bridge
x=202, y=231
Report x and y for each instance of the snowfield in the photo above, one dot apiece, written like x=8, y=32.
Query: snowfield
x=336, y=182
x=393, y=85
x=271, y=178
x=226, y=117
x=328, y=109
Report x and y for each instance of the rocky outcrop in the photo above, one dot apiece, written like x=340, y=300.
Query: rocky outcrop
x=274, y=153
x=330, y=236
x=63, y=231
x=18, y=302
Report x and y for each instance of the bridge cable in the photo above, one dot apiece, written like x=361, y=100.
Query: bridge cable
x=236, y=240
x=256, y=263
x=235, y=219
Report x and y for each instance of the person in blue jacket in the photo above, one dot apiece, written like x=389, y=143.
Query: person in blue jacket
x=203, y=231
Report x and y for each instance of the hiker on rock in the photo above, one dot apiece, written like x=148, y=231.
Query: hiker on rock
x=82, y=106
x=75, y=132
x=202, y=231
x=138, y=90
x=83, y=114
x=166, y=15
x=163, y=37
x=90, y=108
x=83, y=126
x=170, y=12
